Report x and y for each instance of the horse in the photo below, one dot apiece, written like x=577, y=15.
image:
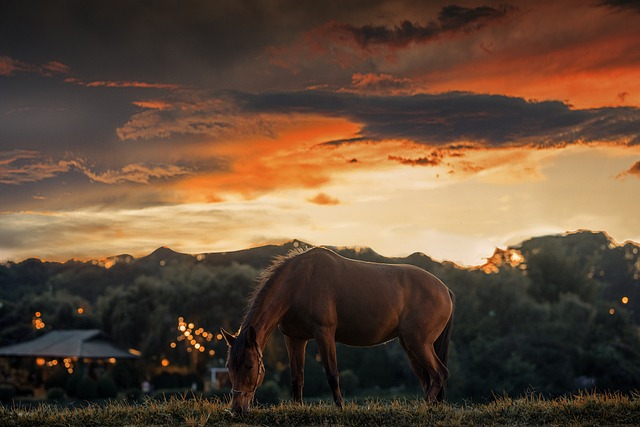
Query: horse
x=318, y=294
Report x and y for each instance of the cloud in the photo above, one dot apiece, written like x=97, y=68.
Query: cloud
x=379, y=84
x=23, y=166
x=433, y=160
x=451, y=19
x=633, y=170
x=122, y=84
x=10, y=66
x=324, y=199
x=622, y=5
x=476, y=120
x=347, y=44
x=190, y=113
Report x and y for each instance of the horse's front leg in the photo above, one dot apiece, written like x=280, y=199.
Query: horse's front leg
x=296, y=350
x=327, y=347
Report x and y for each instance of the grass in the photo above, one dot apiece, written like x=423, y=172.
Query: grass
x=584, y=409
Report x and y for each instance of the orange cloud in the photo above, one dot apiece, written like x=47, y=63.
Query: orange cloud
x=153, y=105
x=324, y=199
x=633, y=170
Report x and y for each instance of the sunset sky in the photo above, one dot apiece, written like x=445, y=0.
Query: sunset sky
x=449, y=128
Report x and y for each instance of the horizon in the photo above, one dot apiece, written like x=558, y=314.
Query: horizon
x=295, y=241
x=442, y=128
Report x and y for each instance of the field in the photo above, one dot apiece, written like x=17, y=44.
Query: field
x=584, y=409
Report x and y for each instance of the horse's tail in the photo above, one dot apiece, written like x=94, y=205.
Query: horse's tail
x=442, y=343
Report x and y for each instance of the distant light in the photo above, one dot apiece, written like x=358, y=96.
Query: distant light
x=40, y=361
x=135, y=352
x=625, y=300
x=112, y=360
x=219, y=337
x=212, y=352
x=173, y=345
x=80, y=310
x=611, y=311
x=191, y=326
x=165, y=362
x=38, y=314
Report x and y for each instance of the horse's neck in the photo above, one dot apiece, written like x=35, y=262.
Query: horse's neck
x=267, y=311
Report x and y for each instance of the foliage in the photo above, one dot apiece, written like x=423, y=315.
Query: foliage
x=268, y=393
x=554, y=324
x=106, y=387
x=56, y=394
x=86, y=389
x=7, y=392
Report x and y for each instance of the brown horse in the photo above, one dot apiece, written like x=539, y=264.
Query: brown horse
x=321, y=295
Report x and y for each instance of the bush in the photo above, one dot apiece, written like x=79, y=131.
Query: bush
x=56, y=394
x=107, y=388
x=349, y=382
x=268, y=393
x=72, y=383
x=133, y=395
x=86, y=389
x=7, y=392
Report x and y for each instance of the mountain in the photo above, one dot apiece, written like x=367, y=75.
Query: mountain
x=606, y=261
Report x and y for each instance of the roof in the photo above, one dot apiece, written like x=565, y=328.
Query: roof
x=84, y=343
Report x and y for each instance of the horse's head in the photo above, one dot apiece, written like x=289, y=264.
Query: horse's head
x=246, y=369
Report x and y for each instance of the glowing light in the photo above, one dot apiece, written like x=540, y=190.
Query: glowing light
x=182, y=328
x=80, y=310
x=40, y=361
x=135, y=352
x=165, y=362
x=112, y=360
x=611, y=311
x=173, y=345
x=38, y=314
x=219, y=337
x=197, y=346
x=212, y=352
x=625, y=300
x=191, y=326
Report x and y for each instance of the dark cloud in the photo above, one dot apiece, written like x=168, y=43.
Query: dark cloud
x=621, y=5
x=451, y=118
x=434, y=160
x=450, y=20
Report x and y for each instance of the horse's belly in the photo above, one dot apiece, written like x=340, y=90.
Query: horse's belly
x=367, y=329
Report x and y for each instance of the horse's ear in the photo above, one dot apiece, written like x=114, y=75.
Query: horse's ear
x=228, y=337
x=251, y=335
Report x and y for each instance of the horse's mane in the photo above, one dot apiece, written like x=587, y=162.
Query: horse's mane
x=264, y=281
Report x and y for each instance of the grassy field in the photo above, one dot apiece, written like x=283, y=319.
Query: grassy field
x=585, y=409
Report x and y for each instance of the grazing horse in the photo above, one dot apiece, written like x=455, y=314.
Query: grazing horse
x=321, y=295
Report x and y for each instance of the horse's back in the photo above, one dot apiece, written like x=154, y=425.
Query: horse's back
x=368, y=302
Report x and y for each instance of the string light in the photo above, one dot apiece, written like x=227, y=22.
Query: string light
x=194, y=338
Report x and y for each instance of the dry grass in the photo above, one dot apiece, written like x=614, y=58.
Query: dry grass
x=585, y=409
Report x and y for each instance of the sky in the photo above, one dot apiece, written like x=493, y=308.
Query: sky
x=448, y=128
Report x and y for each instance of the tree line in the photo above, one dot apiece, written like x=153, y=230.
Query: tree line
x=554, y=316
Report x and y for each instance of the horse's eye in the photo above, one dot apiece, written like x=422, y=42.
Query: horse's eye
x=249, y=365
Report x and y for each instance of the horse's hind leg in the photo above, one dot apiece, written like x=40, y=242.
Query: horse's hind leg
x=296, y=349
x=416, y=366
x=423, y=357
